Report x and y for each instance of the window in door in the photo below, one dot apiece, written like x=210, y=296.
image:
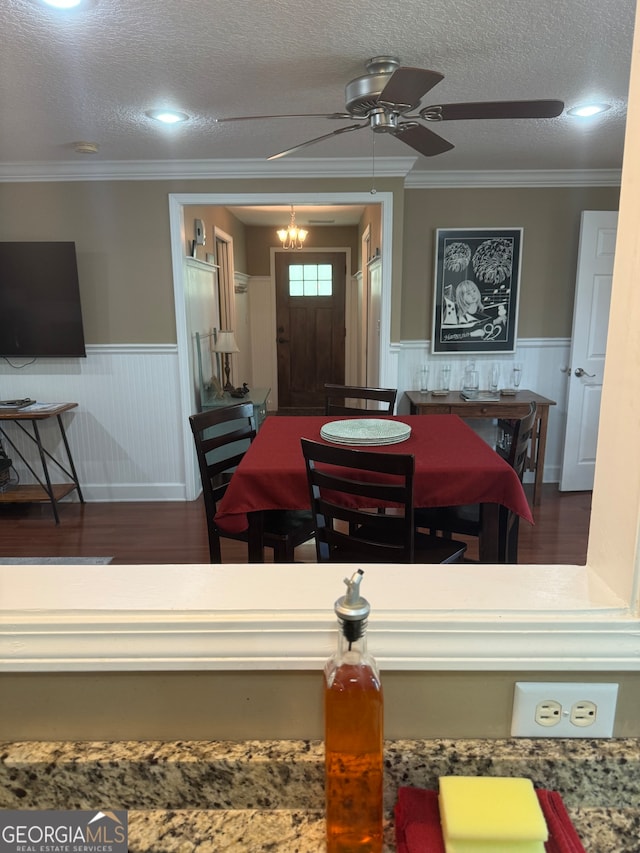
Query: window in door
x=310, y=280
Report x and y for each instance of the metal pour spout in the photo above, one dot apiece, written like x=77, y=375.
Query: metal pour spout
x=352, y=607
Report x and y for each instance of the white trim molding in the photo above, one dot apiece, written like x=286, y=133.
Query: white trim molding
x=308, y=167
x=166, y=170
x=514, y=178
x=241, y=281
x=232, y=617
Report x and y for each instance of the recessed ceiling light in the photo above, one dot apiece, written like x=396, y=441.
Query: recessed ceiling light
x=588, y=110
x=63, y=4
x=167, y=116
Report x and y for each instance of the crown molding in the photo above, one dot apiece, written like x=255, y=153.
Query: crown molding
x=515, y=178
x=346, y=167
x=153, y=170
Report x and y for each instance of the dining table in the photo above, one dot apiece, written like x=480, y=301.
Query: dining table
x=454, y=466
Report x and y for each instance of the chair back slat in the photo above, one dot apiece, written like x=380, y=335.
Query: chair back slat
x=514, y=447
x=349, y=532
x=356, y=399
x=221, y=438
x=514, y=437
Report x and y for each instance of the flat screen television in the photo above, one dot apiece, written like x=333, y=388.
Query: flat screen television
x=40, y=312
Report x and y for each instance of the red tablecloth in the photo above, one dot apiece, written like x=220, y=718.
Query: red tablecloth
x=453, y=466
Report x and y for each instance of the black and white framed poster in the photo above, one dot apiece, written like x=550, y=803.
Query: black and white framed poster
x=477, y=277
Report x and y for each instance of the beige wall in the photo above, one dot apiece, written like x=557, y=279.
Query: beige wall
x=265, y=705
x=121, y=230
x=216, y=217
x=252, y=244
x=550, y=218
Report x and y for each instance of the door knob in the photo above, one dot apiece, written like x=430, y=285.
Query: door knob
x=580, y=372
x=283, y=340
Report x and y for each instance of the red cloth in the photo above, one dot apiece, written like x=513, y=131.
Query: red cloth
x=453, y=466
x=418, y=823
x=563, y=837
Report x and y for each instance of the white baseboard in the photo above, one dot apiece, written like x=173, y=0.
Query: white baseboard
x=122, y=492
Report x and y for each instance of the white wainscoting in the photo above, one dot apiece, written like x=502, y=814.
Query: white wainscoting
x=544, y=371
x=126, y=434
x=262, y=324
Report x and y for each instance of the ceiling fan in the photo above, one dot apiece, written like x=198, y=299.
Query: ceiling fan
x=383, y=98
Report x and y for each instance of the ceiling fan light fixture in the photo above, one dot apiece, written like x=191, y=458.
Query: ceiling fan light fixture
x=167, y=116
x=588, y=110
x=292, y=237
x=383, y=98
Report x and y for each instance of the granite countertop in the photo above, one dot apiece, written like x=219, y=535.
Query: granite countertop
x=601, y=831
x=262, y=795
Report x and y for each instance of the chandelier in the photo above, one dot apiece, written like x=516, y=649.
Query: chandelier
x=292, y=237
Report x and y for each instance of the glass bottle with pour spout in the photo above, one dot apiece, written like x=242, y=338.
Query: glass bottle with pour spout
x=353, y=714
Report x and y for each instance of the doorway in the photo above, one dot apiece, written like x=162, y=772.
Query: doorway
x=178, y=230
x=310, y=318
x=594, y=279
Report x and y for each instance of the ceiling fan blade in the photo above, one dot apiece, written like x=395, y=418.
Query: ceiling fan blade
x=285, y=115
x=493, y=109
x=422, y=139
x=317, y=139
x=408, y=85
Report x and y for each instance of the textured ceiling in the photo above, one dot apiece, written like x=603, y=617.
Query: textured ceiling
x=91, y=74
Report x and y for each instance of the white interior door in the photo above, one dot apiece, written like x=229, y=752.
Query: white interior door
x=588, y=347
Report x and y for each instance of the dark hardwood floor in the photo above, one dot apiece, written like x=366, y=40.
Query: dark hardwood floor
x=175, y=532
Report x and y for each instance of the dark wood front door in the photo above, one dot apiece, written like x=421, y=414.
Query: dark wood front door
x=310, y=320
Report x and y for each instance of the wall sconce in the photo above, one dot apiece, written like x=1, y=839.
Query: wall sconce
x=226, y=344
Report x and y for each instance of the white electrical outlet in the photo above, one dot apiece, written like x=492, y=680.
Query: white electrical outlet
x=554, y=709
x=548, y=713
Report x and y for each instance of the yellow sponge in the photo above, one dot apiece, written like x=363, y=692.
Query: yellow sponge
x=482, y=814
x=494, y=846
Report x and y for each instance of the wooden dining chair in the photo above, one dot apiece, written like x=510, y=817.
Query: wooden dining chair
x=514, y=436
x=222, y=437
x=514, y=444
x=355, y=400
x=340, y=477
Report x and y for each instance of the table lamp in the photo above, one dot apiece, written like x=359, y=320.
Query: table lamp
x=226, y=344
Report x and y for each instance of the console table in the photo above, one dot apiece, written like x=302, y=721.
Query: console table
x=508, y=406
x=257, y=396
x=44, y=489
